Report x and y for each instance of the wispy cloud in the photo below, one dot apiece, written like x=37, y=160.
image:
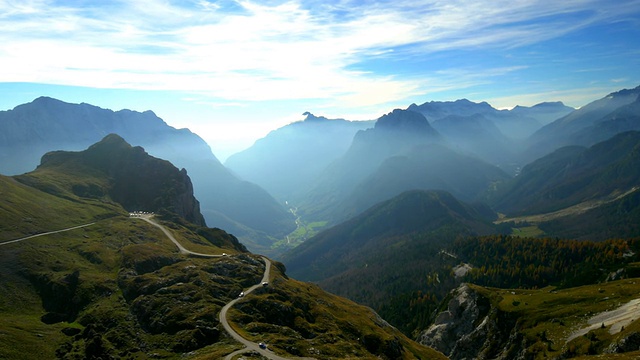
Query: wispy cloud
x=246, y=50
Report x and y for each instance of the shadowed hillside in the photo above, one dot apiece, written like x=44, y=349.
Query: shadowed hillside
x=572, y=175
x=592, y=123
x=115, y=170
x=391, y=245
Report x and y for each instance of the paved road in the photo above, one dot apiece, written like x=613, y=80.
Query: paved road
x=182, y=249
x=47, y=233
x=250, y=346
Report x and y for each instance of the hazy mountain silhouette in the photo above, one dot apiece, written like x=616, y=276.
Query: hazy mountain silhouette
x=46, y=124
x=573, y=174
x=545, y=112
x=423, y=167
x=592, y=123
x=392, y=134
x=517, y=123
x=478, y=136
x=286, y=160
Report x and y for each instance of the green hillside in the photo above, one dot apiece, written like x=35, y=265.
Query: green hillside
x=26, y=210
x=119, y=288
x=573, y=175
x=302, y=320
x=384, y=256
x=73, y=294
x=619, y=217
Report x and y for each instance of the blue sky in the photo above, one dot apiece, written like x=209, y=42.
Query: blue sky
x=233, y=70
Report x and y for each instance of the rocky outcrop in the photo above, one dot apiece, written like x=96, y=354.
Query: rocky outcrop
x=135, y=179
x=471, y=328
x=628, y=343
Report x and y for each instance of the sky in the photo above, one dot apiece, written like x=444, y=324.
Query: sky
x=231, y=71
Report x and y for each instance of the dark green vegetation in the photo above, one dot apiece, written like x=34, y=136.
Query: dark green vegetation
x=300, y=319
x=403, y=253
x=389, y=251
x=376, y=232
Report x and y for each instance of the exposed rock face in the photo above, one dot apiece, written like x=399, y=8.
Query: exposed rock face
x=629, y=343
x=470, y=328
x=137, y=180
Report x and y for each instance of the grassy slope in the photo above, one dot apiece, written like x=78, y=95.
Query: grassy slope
x=548, y=317
x=299, y=319
x=36, y=267
x=120, y=288
x=27, y=211
x=74, y=276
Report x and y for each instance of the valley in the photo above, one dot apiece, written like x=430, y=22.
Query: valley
x=411, y=236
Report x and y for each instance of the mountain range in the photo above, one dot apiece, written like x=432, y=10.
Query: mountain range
x=30, y=130
x=288, y=159
x=117, y=286
x=592, y=123
x=422, y=214
x=517, y=123
x=572, y=175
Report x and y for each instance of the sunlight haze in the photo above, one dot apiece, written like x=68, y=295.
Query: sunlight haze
x=231, y=71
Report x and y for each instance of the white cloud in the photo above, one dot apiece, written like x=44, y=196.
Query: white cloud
x=263, y=52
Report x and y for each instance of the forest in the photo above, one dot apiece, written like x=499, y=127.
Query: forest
x=512, y=262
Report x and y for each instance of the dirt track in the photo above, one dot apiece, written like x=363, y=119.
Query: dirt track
x=613, y=319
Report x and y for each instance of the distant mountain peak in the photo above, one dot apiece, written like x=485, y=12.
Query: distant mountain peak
x=405, y=120
x=624, y=92
x=310, y=117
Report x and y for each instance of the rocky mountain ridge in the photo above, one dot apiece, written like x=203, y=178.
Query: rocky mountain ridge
x=136, y=180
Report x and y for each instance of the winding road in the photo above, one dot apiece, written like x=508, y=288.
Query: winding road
x=250, y=346
x=182, y=249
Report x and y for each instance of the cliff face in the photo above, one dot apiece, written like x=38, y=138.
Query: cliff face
x=126, y=174
x=472, y=328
